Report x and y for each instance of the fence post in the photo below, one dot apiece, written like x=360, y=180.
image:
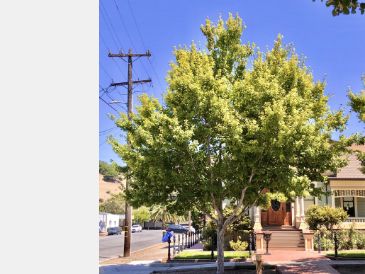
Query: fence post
x=254, y=240
x=182, y=242
x=212, y=248
x=336, y=243
x=174, y=246
x=169, y=252
x=178, y=243
x=250, y=244
x=319, y=242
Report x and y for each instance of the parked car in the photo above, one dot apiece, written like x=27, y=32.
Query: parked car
x=192, y=229
x=114, y=231
x=136, y=228
x=177, y=228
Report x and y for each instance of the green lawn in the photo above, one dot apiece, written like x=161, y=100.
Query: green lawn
x=206, y=254
x=349, y=253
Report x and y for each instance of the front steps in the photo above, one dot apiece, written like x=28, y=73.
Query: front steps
x=285, y=238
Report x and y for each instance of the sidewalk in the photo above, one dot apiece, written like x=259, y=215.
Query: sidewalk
x=154, y=258
x=157, y=253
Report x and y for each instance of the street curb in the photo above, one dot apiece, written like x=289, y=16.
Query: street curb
x=212, y=266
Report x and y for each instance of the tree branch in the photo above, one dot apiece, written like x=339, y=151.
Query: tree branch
x=240, y=202
x=211, y=217
x=215, y=206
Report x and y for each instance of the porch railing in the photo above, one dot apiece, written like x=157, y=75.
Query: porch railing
x=355, y=220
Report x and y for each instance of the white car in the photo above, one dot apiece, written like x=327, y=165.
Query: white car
x=192, y=229
x=136, y=228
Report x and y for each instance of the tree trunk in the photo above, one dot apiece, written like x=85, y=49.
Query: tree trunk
x=220, y=247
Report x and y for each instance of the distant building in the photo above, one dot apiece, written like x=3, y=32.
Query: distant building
x=107, y=220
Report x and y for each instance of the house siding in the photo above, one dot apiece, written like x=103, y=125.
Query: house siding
x=360, y=207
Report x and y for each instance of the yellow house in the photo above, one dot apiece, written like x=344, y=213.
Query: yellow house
x=348, y=190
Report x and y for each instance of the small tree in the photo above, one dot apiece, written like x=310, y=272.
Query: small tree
x=162, y=214
x=110, y=171
x=235, y=121
x=115, y=204
x=318, y=216
x=141, y=215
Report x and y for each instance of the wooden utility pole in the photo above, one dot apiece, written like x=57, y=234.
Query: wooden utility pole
x=128, y=208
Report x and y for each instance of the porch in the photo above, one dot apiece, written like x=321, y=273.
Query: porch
x=350, y=196
x=280, y=214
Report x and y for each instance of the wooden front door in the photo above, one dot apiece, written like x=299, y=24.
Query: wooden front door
x=279, y=213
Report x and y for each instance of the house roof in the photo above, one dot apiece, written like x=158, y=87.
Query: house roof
x=353, y=168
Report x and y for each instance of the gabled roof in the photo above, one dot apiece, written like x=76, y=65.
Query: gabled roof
x=353, y=170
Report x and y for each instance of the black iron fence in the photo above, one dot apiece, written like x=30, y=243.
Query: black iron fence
x=180, y=241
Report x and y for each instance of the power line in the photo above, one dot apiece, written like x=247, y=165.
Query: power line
x=123, y=107
x=108, y=104
x=143, y=44
x=129, y=37
x=107, y=130
x=104, y=70
x=111, y=30
x=108, y=49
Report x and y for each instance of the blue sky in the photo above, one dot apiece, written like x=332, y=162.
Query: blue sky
x=333, y=46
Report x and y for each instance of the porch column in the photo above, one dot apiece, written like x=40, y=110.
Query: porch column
x=292, y=210
x=297, y=212
x=333, y=200
x=302, y=216
x=257, y=225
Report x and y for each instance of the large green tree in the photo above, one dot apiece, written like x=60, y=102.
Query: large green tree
x=357, y=102
x=235, y=121
x=345, y=6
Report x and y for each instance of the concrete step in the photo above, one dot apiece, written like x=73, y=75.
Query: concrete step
x=300, y=248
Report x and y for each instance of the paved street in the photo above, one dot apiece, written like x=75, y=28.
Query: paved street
x=112, y=246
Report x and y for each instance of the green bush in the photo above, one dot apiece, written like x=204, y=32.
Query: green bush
x=348, y=238
x=237, y=230
x=238, y=245
x=319, y=216
x=327, y=242
x=209, y=233
x=344, y=242
x=360, y=241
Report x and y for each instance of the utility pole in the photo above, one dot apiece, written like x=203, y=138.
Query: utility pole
x=128, y=208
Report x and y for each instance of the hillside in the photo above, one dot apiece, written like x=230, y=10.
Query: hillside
x=107, y=188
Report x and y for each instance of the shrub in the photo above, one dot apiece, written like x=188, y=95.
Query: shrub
x=348, y=238
x=327, y=242
x=360, y=241
x=344, y=242
x=319, y=216
x=238, y=245
x=238, y=229
x=209, y=233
